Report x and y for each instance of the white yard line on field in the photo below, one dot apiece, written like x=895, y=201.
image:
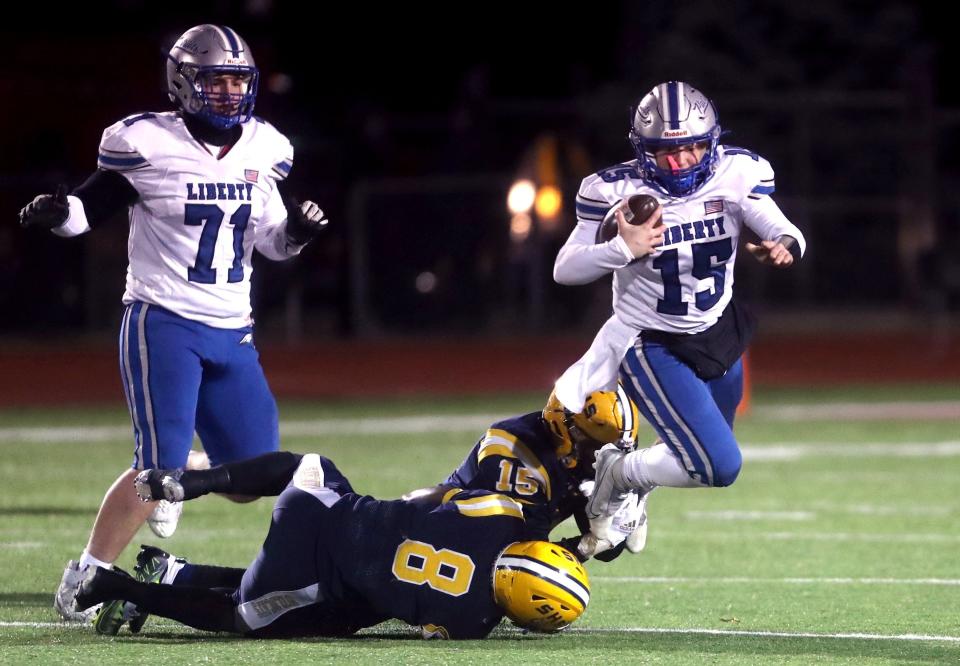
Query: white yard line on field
x=891, y=537
x=762, y=453
x=788, y=516
x=854, y=411
x=793, y=451
x=766, y=634
x=627, y=630
x=742, y=580
x=476, y=423
x=314, y=427
x=925, y=510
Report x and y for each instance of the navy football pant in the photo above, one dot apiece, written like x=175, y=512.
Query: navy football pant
x=285, y=591
x=692, y=416
x=181, y=376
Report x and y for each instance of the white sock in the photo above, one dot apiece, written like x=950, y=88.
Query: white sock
x=656, y=466
x=86, y=559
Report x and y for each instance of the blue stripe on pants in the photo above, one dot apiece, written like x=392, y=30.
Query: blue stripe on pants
x=684, y=411
x=135, y=372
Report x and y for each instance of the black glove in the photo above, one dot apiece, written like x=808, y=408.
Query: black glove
x=571, y=543
x=304, y=221
x=46, y=210
x=613, y=553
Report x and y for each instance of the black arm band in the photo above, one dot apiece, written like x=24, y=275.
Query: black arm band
x=792, y=245
x=104, y=194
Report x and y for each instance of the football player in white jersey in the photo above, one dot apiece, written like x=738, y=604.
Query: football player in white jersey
x=200, y=185
x=676, y=335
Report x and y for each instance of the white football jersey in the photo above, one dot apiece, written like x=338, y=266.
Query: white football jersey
x=685, y=284
x=198, y=218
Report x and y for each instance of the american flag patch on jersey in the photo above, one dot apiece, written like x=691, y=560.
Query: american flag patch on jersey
x=715, y=206
x=251, y=175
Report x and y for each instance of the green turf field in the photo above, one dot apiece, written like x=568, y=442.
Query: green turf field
x=839, y=543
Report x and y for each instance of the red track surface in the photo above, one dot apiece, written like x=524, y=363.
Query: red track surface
x=36, y=375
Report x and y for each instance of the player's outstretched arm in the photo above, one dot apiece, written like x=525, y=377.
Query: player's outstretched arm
x=100, y=197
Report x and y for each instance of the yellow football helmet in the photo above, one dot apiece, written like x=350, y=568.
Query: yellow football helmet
x=607, y=417
x=540, y=586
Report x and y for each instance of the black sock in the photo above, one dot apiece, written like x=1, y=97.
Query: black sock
x=197, y=607
x=197, y=482
x=263, y=476
x=207, y=575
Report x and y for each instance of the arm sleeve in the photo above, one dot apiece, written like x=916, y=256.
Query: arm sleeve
x=271, y=238
x=764, y=216
x=582, y=259
x=103, y=195
x=760, y=212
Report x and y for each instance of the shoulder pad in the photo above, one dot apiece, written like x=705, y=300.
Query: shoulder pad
x=122, y=142
x=755, y=172
x=278, y=147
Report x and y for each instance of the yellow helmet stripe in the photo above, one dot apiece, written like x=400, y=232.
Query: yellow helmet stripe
x=561, y=579
x=501, y=443
x=489, y=505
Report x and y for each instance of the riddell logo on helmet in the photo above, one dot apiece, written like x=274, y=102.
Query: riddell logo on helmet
x=675, y=133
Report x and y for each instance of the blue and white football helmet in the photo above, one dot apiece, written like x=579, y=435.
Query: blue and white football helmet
x=200, y=53
x=675, y=114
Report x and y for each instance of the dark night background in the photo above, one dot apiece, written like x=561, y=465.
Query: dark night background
x=410, y=125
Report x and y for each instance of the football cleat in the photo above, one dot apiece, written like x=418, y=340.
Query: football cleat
x=114, y=613
x=165, y=517
x=152, y=566
x=156, y=566
x=609, y=491
x=637, y=539
x=540, y=586
x=65, y=600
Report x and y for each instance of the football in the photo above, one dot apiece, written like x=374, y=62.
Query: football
x=636, y=210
